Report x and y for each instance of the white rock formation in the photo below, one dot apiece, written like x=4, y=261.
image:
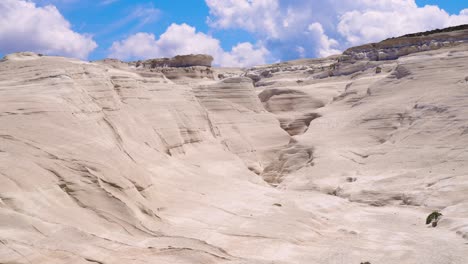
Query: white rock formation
x=106, y=163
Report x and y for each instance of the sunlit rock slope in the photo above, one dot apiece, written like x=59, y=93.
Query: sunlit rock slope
x=309, y=161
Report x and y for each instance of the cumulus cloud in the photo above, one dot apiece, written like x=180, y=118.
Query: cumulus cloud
x=184, y=39
x=372, y=25
x=244, y=54
x=292, y=28
x=325, y=45
x=26, y=27
x=250, y=15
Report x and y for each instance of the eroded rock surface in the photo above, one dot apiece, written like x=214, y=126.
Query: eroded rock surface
x=182, y=69
x=178, y=61
x=394, y=48
x=108, y=163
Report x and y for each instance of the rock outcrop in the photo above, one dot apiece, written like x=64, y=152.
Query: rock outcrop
x=180, y=69
x=179, y=74
x=177, y=61
x=394, y=48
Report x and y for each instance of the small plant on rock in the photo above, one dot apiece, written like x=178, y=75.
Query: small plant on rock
x=433, y=218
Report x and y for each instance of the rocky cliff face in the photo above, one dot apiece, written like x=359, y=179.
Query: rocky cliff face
x=310, y=161
x=177, y=61
x=394, y=48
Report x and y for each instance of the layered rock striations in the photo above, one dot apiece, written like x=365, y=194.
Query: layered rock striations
x=181, y=69
x=394, y=48
x=178, y=61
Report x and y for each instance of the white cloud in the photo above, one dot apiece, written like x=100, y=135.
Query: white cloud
x=145, y=14
x=373, y=25
x=26, y=27
x=244, y=54
x=108, y=2
x=184, y=39
x=246, y=14
x=134, y=20
x=292, y=28
x=139, y=45
x=325, y=45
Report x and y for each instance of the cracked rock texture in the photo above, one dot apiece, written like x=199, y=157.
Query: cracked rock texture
x=178, y=61
x=107, y=163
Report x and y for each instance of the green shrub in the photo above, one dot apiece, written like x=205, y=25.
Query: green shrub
x=433, y=218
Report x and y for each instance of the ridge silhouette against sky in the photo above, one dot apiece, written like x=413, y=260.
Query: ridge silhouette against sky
x=235, y=32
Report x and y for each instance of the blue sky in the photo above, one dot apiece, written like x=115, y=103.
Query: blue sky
x=451, y=6
x=104, y=21
x=235, y=32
